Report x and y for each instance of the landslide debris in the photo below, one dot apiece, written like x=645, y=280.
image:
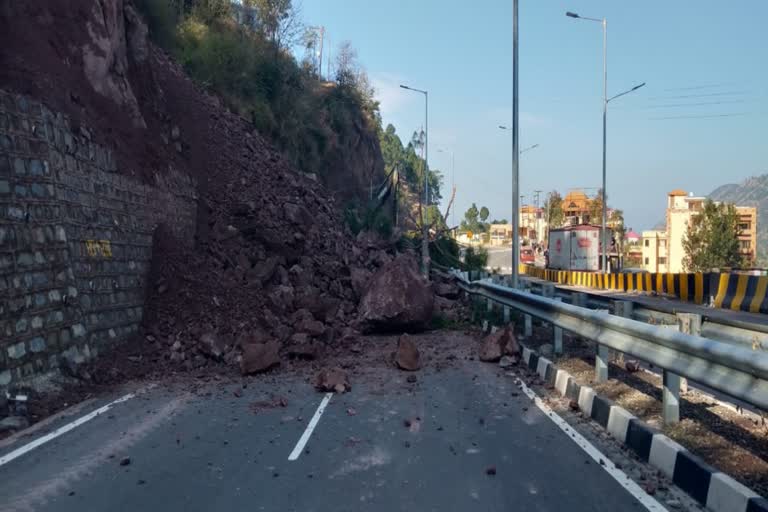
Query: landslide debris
x=407, y=356
x=500, y=343
x=272, y=272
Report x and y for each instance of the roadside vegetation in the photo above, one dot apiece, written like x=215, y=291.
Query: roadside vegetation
x=244, y=54
x=712, y=239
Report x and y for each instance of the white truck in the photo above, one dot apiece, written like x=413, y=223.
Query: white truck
x=576, y=248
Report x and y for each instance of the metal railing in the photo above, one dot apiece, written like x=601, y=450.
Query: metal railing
x=734, y=370
x=736, y=332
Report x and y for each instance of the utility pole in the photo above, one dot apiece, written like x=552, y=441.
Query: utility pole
x=536, y=194
x=515, y=152
x=320, y=60
x=425, y=164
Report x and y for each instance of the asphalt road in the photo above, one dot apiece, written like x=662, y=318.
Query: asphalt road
x=207, y=453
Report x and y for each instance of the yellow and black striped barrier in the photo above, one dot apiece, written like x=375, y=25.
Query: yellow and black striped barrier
x=742, y=292
x=734, y=292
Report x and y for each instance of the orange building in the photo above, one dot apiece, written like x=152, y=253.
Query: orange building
x=576, y=205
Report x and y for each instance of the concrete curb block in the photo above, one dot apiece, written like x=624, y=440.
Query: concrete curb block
x=708, y=486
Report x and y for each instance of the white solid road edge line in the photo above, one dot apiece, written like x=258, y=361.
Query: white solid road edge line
x=18, y=452
x=310, y=427
x=648, y=501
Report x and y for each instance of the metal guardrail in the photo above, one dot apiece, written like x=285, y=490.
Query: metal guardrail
x=733, y=370
x=735, y=332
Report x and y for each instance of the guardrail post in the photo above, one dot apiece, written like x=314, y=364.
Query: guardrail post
x=689, y=323
x=558, y=335
x=506, y=314
x=623, y=308
x=488, y=305
x=601, y=358
x=527, y=319
x=671, y=398
x=579, y=299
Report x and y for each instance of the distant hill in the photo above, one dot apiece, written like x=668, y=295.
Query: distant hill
x=751, y=192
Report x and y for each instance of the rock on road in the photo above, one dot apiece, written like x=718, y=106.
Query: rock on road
x=460, y=439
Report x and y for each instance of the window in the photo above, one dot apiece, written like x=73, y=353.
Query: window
x=647, y=244
x=662, y=260
x=646, y=259
x=745, y=226
x=746, y=244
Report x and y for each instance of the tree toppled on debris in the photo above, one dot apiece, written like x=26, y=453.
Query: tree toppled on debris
x=712, y=238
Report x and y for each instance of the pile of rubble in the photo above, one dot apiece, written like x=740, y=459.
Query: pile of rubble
x=273, y=272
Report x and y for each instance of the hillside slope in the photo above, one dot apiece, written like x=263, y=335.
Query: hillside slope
x=751, y=192
x=272, y=257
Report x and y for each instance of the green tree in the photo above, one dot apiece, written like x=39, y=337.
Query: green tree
x=473, y=220
x=497, y=221
x=596, y=208
x=712, y=238
x=278, y=20
x=553, y=210
x=409, y=162
x=470, y=221
x=475, y=258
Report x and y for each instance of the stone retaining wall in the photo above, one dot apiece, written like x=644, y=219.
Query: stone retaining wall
x=75, y=242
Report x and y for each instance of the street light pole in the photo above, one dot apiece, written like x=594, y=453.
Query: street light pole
x=424, y=228
x=603, y=237
x=515, y=151
x=534, y=146
x=603, y=229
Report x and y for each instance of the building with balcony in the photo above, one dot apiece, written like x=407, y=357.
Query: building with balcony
x=663, y=250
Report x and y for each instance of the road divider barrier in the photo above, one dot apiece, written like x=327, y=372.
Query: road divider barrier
x=737, y=292
x=742, y=292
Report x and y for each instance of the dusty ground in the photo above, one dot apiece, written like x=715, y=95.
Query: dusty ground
x=143, y=362
x=458, y=434
x=732, y=441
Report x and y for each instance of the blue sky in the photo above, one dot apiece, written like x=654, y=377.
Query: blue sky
x=462, y=53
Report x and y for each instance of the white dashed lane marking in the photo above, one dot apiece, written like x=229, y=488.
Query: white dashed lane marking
x=18, y=452
x=310, y=427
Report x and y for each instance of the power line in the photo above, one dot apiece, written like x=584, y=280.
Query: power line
x=695, y=87
x=671, y=105
x=736, y=114
x=730, y=93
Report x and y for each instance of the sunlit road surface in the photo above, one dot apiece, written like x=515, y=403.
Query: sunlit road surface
x=385, y=446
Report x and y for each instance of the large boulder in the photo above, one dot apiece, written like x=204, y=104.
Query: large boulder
x=260, y=357
x=497, y=344
x=360, y=278
x=332, y=380
x=407, y=356
x=398, y=298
